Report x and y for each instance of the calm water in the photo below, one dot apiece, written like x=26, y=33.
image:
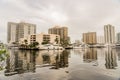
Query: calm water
x=76, y=64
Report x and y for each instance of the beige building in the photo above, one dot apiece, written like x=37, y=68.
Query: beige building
x=89, y=38
x=109, y=34
x=19, y=30
x=62, y=31
x=41, y=38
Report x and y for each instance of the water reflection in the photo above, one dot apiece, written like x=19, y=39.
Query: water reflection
x=40, y=62
x=110, y=58
x=56, y=59
x=20, y=62
x=26, y=61
x=90, y=55
x=118, y=52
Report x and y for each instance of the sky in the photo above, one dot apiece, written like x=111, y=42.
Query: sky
x=79, y=16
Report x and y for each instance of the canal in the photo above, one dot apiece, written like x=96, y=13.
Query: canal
x=75, y=64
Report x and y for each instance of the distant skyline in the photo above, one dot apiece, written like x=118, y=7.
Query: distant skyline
x=79, y=16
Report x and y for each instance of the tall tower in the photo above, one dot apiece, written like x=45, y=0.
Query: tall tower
x=26, y=29
x=90, y=38
x=109, y=34
x=19, y=30
x=12, y=32
x=118, y=37
x=62, y=31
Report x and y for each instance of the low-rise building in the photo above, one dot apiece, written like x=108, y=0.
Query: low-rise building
x=41, y=39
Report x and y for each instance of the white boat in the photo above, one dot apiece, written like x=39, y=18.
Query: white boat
x=77, y=47
x=50, y=47
x=110, y=45
x=80, y=46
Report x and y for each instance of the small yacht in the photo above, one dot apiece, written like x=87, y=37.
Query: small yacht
x=50, y=47
x=77, y=47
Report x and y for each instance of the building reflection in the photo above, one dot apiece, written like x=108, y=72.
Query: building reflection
x=55, y=59
x=61, y=60
x=27, y=61
x=90, y=55
x=77, y=51
x=20, y=62
x=110, y=58
x=118, y=52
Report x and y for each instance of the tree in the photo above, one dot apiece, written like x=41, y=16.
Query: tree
x=45, y=42
x=56, y=40
x=26, y=42
x=34, y=45
x=64, y=43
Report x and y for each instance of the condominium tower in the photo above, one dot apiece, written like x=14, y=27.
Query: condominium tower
x=19, y=30
x=90, y=38
x=100, y=40
x=118, y=37
x=62, y=31
x=109, y=34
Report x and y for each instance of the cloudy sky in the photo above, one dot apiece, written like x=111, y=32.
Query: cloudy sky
x=78, y=15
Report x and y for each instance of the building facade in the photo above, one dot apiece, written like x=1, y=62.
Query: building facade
x=41, y=39
x=109, y=34
x=90, y=38
x=62, y=31
x=100, y=40
x=12, y=32
x=19, y=30
x=118, y=38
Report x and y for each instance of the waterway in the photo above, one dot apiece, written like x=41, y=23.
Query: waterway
x=75, y=64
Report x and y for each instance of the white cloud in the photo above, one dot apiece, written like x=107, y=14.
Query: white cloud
x=79, y=15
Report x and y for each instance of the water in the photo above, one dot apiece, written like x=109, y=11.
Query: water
x=76, y=64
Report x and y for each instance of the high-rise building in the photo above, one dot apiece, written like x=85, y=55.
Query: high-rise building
x=118, y=37
x=89, y=38
x=19, y=30
x=100, y=40
x=109, y=34
x=62, y=31
x=12, y=32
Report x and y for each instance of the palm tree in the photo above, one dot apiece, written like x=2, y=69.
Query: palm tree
x=26, y=43
x=34, y=45
x=64, y=43
x=45, y=42
x=56, y=40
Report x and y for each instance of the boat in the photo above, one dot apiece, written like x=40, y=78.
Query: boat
x=69, y=47
x=80, y=47
x=50, y=47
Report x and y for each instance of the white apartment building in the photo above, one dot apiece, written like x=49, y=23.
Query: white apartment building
x=100, y=40
x=109, y=34
x=19, y=30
